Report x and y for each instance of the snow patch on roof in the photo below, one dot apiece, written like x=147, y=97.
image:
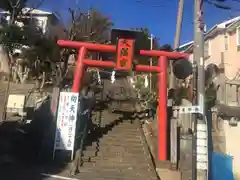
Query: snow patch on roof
x=35, y=11
x=186, y=44
x=31, y=11
x=228, y=22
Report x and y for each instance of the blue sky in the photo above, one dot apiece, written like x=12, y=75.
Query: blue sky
x=157, y=15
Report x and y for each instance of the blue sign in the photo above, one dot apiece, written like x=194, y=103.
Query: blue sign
x=221, y=167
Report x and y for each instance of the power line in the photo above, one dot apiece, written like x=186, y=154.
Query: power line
x=152, y=5
x=219, y=5
x=238, y=1
x=221, y=1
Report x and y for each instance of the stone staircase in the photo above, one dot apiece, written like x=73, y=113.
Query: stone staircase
x=117, y=150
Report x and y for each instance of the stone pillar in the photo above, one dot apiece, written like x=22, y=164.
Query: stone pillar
x=185, y=164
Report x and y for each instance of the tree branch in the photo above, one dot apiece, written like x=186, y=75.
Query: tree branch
x=14, y=6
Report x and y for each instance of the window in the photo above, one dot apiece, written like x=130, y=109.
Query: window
x=206, y=49
x=226, y=42
x=238, y=36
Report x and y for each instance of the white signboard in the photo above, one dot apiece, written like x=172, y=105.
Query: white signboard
x=202, y=147
x=66, y=122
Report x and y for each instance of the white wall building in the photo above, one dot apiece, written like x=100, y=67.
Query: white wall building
x=44, y=20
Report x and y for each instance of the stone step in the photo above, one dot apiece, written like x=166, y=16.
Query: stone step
x=134, y=167
x=111, y=160
x=123, y=142
x=116, y=131
x=104, y=155
x=107, y=147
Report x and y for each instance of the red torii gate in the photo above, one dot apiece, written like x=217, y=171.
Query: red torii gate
x=161, y=69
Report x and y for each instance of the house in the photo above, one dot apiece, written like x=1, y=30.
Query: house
x=222, y=45
x=47, y=21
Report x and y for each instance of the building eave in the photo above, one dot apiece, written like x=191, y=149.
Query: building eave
x=233, y=26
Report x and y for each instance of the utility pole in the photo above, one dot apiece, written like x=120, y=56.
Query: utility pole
x=151, y=63
x=179, y=24
x=200, y=166
x=177, y=37
x=174, y=125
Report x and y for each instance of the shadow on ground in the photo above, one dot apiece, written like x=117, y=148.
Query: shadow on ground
x=26, y=150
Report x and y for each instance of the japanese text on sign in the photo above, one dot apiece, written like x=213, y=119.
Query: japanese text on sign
x=125, y=49
x=66, y=121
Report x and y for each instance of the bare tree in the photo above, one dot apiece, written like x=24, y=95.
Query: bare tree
x=91, y=26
